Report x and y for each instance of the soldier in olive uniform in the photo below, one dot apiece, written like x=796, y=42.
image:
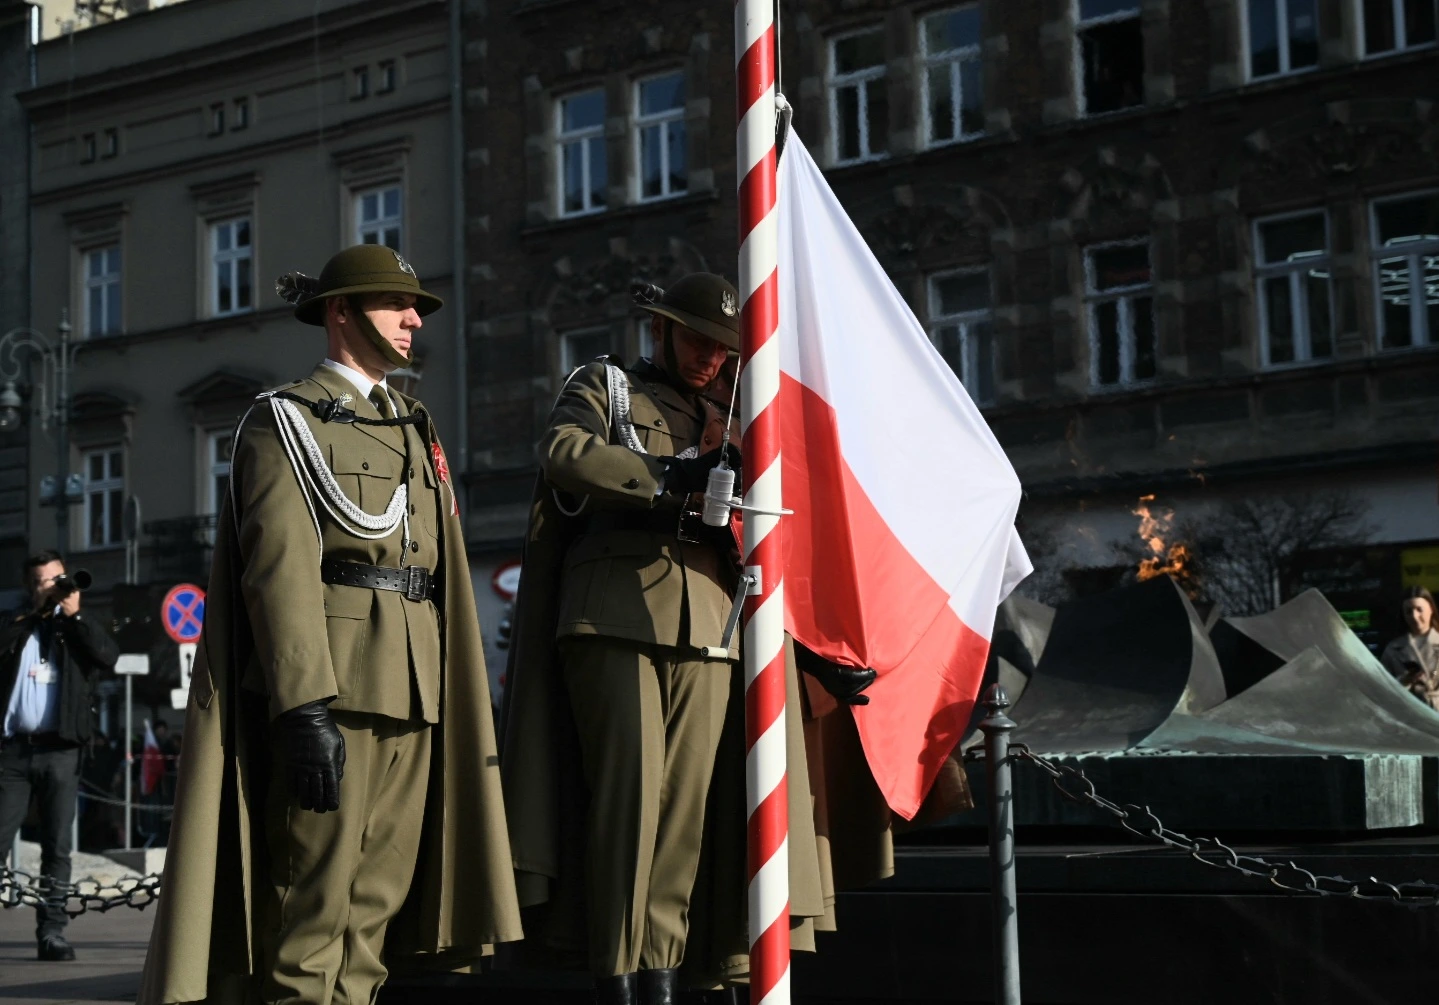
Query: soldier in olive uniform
x=341, y=634
x=639, y=616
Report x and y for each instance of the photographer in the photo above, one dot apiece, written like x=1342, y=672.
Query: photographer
x=49, y=658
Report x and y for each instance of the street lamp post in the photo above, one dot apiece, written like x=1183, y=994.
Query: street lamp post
x=56, y=359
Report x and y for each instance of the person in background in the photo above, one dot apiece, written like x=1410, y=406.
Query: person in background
x=49, y=659
x=1413, y=658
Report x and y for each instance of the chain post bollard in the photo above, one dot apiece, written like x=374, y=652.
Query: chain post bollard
x=1003, y=897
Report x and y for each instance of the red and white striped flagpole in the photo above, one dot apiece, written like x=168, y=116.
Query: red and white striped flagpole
x=766, y=788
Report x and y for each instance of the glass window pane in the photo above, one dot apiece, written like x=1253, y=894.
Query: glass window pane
x=650, y=167
x=949, y=343
x=369, y=207
x=679, y=174
x=95, y=312
x=97, y=467
x=981, y=377
x=1284, y=240
x=1394, y=301
x=662, y=94
x=222, y=237
x=972, y=94
x=116, y=514
x=1106, y=323
x=1418, y=22
x=1103, y=8
x=96, y=520
x=1378, y=25
x=392, y=202
x=941, y=103
x=583, y=110
x=223, y=300
x=1279, y=319
x=962, y=293
x=847, y=128
x=599, y=172
x=859, y=52
x=1124, y=266
x=1407, y=220
x=1431, y=295
x=112, y=308
x=112, y=261
x=1321, y=337
x=392, y=238
x=1142, y=309
x=95, y=263
x=877, y=100
x=242, y=283
x=952, y=29
x=1113, y=66
x=242, y=234
x=574, y=179
x=578, y=348
x=1303, y=34
x=1263, y=38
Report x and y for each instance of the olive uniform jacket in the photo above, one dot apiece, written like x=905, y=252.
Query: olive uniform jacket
x=586, y=572
x=276, y=637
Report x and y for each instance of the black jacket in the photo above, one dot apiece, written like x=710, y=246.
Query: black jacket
x=81, y=650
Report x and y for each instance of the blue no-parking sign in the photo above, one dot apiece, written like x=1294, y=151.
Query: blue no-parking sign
x=183, y=612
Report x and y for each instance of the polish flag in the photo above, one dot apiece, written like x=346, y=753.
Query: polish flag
x=152, y=763
x=903, y=542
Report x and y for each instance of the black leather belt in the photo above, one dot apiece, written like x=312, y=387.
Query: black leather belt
x=415, y=582
x=685, y=524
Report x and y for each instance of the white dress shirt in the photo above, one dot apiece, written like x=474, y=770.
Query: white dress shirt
x=362, y=383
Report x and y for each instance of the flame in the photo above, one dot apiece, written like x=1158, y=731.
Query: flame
x=1165, y=559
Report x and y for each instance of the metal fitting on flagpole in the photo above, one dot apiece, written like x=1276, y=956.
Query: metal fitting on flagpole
x=1002, y=893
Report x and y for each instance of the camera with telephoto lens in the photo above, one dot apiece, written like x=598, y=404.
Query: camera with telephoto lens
x=75, y=582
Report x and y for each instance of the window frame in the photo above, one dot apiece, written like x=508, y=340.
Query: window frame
x=1081, y=24
x=1286, y=69
x=382, y=222
x=1418, y=313
x=111, y=285
x=663, y=120
x=955, y=58
x=1124, y=297
x=968, y=345
x=1299, y=323
x=859, y=79
x=389, y=76
x=230, y=257
x=106, y=488
x=582, y=136
x=210, y=499
x=1399, y=32
x=568, y=364
x=242, y=114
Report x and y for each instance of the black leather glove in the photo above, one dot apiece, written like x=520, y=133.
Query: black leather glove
x=691, y=474
x=314, y=754
x=843, y=683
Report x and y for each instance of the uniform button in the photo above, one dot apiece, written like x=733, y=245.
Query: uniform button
x=412, y=509
x=412, y=472
x=659, y=422
x=414, y=545
x=633, y=483
x=365, y=465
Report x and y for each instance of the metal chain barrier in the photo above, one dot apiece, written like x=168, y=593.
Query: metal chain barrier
x=1073, y=785
x=20, y=889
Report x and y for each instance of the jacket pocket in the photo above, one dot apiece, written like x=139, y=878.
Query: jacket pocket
x=347, y=631
x=619, y=582
x=367, y=475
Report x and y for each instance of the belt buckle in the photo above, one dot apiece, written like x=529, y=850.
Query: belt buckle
x=680, y=531
x=417, y=583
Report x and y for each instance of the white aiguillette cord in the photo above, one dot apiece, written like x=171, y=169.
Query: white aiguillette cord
x=317, y=481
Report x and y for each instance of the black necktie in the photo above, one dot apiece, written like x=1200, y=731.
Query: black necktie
x=381, y=401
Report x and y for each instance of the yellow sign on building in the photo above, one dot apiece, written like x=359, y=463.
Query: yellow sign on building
x=1420, y=567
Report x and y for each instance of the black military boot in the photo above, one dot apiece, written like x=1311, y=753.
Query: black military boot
x=616, y=990
x=660, y=987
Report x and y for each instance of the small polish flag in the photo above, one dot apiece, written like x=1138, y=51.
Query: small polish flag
x=152, y=763
x=903, y=542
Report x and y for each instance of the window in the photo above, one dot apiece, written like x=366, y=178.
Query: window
x=660, y=132
x=1295, y=309
x=580, y=347
x=217, y=119
x=1111, y=55
x=359, y=83
x=1283, y=37
x=385, y=82
x=242, y=113
x=217, y=469
x=580, y=156
x=112, y=143
x=104, y=497
x=961, y=328
x=953, y=93
x=858, y=99
x=231, y=255
x=1121, y=314
x=1406, y=270
x=379, y=216
x=1391, y=25
x=102, y=291
x=87, y=148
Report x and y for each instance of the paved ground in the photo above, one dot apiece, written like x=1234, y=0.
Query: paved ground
x=109, y=950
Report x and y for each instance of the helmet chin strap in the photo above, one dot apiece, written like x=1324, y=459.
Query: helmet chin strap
x=373, y=334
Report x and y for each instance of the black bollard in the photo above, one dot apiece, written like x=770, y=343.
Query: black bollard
x=996, y=728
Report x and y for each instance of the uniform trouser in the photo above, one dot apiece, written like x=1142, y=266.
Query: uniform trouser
x=649, y=720
x=52, y=775
x=336, y=879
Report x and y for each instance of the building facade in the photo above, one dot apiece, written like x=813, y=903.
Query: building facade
x=1175, y=248
x=184, y=157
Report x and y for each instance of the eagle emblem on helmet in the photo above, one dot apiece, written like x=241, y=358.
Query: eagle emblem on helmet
x=405, y=266
x=727, y=304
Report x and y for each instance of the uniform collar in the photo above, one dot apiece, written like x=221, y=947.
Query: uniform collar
x=362, y=383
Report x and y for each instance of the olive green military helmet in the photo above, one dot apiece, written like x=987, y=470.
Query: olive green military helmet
x=364, y=268
x=704, y=302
